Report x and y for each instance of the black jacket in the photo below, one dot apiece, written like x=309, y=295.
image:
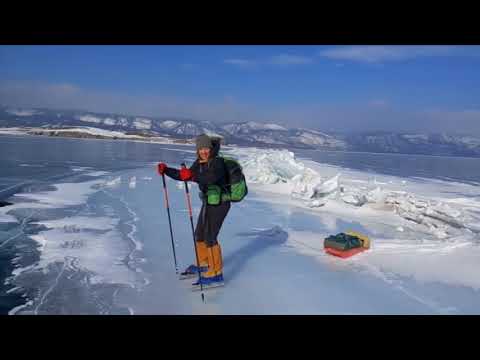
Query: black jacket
x=212, y=172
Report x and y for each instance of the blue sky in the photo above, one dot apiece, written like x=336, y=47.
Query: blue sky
x=332, y=88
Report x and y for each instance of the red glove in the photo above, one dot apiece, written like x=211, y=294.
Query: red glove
x=185, y=174
x=161, y=168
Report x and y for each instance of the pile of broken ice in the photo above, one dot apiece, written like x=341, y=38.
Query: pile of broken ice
x=307, y=186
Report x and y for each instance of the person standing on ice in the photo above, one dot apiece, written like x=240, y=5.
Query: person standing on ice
x=210, y=173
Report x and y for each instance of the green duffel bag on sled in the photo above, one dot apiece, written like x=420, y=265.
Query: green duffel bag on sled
x=342, y=242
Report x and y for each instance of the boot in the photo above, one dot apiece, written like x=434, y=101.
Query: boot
x=215, y=262
x=208, y=282
x=192, y=270
x=214, y=276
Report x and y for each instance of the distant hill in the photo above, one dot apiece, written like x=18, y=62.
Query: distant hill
x=245, y=133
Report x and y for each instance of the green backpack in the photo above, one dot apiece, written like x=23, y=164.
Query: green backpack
x=237, y=185
x=236, y=188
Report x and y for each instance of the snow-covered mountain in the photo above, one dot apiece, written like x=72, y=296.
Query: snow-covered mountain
x=413, y=143
x=48, y=118
x=249, y=127
x=274, y=134
x=245, y=133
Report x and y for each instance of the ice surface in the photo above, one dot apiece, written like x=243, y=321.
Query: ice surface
x=423, y=258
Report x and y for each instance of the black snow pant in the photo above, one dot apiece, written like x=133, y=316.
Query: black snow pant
x=210, y=221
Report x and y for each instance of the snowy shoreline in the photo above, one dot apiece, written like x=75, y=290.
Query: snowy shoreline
x=93, y=134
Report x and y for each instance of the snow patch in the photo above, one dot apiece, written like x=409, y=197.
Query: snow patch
x=109, y=121
x=31, y=165
x=66, y=194
x=80, y=168
x=142, y=123
x=89, y=118
x=169, y=124
x=23, y=112
x=211, y=133
x=274, y=127
x=41, y=240
x=251, y=125
x=114, y=182
x=122, y=121
x=133, y=182
x=74, y=224
x=97, y=173
x=311, y=139
x=95, y=131
x=416, y=138
x=95, y=254
x=13, y=131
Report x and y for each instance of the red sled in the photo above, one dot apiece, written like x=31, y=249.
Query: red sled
x=344, y=253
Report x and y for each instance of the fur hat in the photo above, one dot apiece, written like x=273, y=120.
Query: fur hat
x=203, y=141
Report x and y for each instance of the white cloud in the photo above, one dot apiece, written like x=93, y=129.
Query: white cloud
x=286, y=59
x=244, y=63
x=381, y=53
x=279, y=60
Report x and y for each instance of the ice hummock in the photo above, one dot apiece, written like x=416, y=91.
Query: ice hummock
x=304, y=184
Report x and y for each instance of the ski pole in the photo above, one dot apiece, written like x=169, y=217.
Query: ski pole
x=169, y=221
x=187, y=195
